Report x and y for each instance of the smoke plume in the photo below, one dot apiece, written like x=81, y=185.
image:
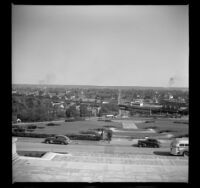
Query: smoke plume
x=171, y=81
x=49, y=79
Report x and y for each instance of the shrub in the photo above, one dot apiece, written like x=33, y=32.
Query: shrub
x=84, y=137
x=70, y=120
x=30, y=130
x=79, y=119
x=107, y=120
x=110, y=126
x=181, y=122
x=52, y=124
x=33, y=135
x=151, y=127
x=19, y=130
x=31, y=126
x=150, y=121
x=165, y=131
x=15, y=126
x=72, y=136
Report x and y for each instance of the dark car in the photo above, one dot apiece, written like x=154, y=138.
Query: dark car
x=59, y=139
x=149, y=142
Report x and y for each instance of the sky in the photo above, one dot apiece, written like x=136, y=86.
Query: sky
x=101, y=45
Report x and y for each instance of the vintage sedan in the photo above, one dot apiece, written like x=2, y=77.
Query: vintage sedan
x=149, y=142
x=58, y=139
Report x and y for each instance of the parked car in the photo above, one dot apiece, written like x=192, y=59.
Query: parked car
x=180, y=146
x=58, y=139
x=149, y=142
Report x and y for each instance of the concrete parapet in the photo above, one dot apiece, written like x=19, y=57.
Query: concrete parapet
x=14, y=150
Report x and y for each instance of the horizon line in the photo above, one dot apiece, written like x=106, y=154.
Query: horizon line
x=98, y=85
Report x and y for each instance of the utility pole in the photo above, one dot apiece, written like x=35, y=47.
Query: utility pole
x=119, y=102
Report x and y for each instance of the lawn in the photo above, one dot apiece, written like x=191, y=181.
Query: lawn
x=166, y=125
x=72, y=127
x=169, y=126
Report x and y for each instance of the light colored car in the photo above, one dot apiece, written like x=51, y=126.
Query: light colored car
x=180, y=146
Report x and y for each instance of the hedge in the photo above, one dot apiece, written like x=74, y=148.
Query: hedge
x=181, y=122
x=18, y=130
x=33, y=135
x=71, y=136
x=52, y=124
x=89, y=132
x=84, y=137
x=31, y=126
x=150, y=121
x=165, y=131
x=151, y=127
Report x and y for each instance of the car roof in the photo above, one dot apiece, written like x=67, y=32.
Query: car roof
x=180, y=141
x=183, y=138
x=151, y=139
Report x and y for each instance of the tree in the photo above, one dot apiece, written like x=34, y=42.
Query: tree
x=83, y=110
x=71, y=112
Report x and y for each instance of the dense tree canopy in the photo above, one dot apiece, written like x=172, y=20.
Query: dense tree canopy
x=32, y=108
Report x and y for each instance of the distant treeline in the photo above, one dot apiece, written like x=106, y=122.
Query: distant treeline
x=97, y=87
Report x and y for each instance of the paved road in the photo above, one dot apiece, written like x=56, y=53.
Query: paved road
x=99, y=163
x=116, y=141
x=95, y=148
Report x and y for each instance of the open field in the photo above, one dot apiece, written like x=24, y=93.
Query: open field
x=166, y=125
x=71, y=127
x=141, y=127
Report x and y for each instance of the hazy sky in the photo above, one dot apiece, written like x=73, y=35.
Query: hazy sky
x=100, y=45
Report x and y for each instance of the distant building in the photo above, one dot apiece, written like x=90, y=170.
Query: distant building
x=14, y=92
x=52, y=95
x=138, y=102
x=61, y=95
x=110, y=116
x=88, y=100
